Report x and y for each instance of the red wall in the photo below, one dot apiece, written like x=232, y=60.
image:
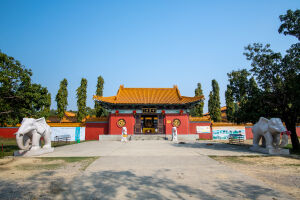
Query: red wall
x=249, y=134
x=8, y=132
x=115, y=130
x=298, y=130
x=93, y=130
x=193, y=130
x=184, y=126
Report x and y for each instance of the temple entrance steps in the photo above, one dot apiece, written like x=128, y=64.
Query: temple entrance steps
x=150, y=137
x=189, y=137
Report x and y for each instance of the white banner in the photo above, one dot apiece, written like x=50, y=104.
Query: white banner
x=222, y=132
x=203, y=129
x=57, y=131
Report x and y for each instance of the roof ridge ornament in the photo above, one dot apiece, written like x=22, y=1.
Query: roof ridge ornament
x=178, y=92
x=120, y=88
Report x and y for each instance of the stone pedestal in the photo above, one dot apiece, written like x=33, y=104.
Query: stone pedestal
x=36, y=152
x=278, y=151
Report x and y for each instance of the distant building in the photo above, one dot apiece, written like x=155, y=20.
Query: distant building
x=69, y=117
x=148, y=110
x=223, y=114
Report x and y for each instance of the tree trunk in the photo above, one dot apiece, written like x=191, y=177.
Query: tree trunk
x=291, y=126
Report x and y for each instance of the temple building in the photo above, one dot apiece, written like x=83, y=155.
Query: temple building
x=148, y=110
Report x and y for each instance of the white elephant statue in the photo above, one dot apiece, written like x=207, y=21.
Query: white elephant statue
x=269, y=131
x=29, y=134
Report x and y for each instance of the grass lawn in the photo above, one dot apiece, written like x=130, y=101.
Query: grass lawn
x=85, y=161
x=10, y=145
x=290, y=147
x=54, y=163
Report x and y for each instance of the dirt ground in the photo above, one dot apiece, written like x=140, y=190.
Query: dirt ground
x=243, y=177
x=38, y=178
x=282, y=173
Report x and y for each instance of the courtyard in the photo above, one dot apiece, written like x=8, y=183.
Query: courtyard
x=151, y=169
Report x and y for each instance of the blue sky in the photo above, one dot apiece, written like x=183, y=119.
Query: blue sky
x=147, y=43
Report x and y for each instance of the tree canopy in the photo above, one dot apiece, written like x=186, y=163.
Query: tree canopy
x=242, y=97
x=273, y=89
x=214, y=103
x=197, y=111
x=62, y=98
x=81, y=100
x=100, y=111
x=19, y=97
x=229, y=104
x=290, y=23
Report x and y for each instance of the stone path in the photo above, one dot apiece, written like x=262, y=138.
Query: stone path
x=161, y=170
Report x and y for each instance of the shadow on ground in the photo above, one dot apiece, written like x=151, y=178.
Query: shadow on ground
x=243, y=148
x=126, y=185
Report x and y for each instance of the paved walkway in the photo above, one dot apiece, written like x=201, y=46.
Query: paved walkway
x=149, y=147
x=161, y=170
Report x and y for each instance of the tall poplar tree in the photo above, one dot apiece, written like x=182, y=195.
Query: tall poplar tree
x=100, y=111
x=62, y=98
x=81, y=100
x=47, y=107
x=229, y=104
x=197, y=111
x=214, y=108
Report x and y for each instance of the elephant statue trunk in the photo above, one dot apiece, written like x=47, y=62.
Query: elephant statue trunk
x=24, y=137
x=23, y=142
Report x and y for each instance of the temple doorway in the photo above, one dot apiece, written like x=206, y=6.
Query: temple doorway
x=149, y=124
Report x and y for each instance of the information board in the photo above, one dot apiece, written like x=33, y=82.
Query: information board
x=222, y=132
x=203, y=129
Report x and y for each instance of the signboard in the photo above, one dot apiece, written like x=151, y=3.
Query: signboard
x=203, y=129
x=76, y=133
x=149, y=110
x=222, y=132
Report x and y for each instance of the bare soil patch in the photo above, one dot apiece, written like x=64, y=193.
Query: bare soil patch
x=38, y=178
x=281, y=173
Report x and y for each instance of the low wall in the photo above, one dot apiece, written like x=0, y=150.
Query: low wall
x=184, y=123
x=202, y=128
x=8, y=132
x=249, y=134
x=91, y=131
x=94, y=129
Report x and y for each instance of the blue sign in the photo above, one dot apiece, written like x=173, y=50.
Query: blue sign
x=77, y=134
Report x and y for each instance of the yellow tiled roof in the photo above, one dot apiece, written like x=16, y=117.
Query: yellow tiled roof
x=148, y=96
x=204, y=118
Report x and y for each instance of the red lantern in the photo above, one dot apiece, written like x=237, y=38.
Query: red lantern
x=163, y=112
x=181, y=112
x=117, y=112
x=134, y=112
